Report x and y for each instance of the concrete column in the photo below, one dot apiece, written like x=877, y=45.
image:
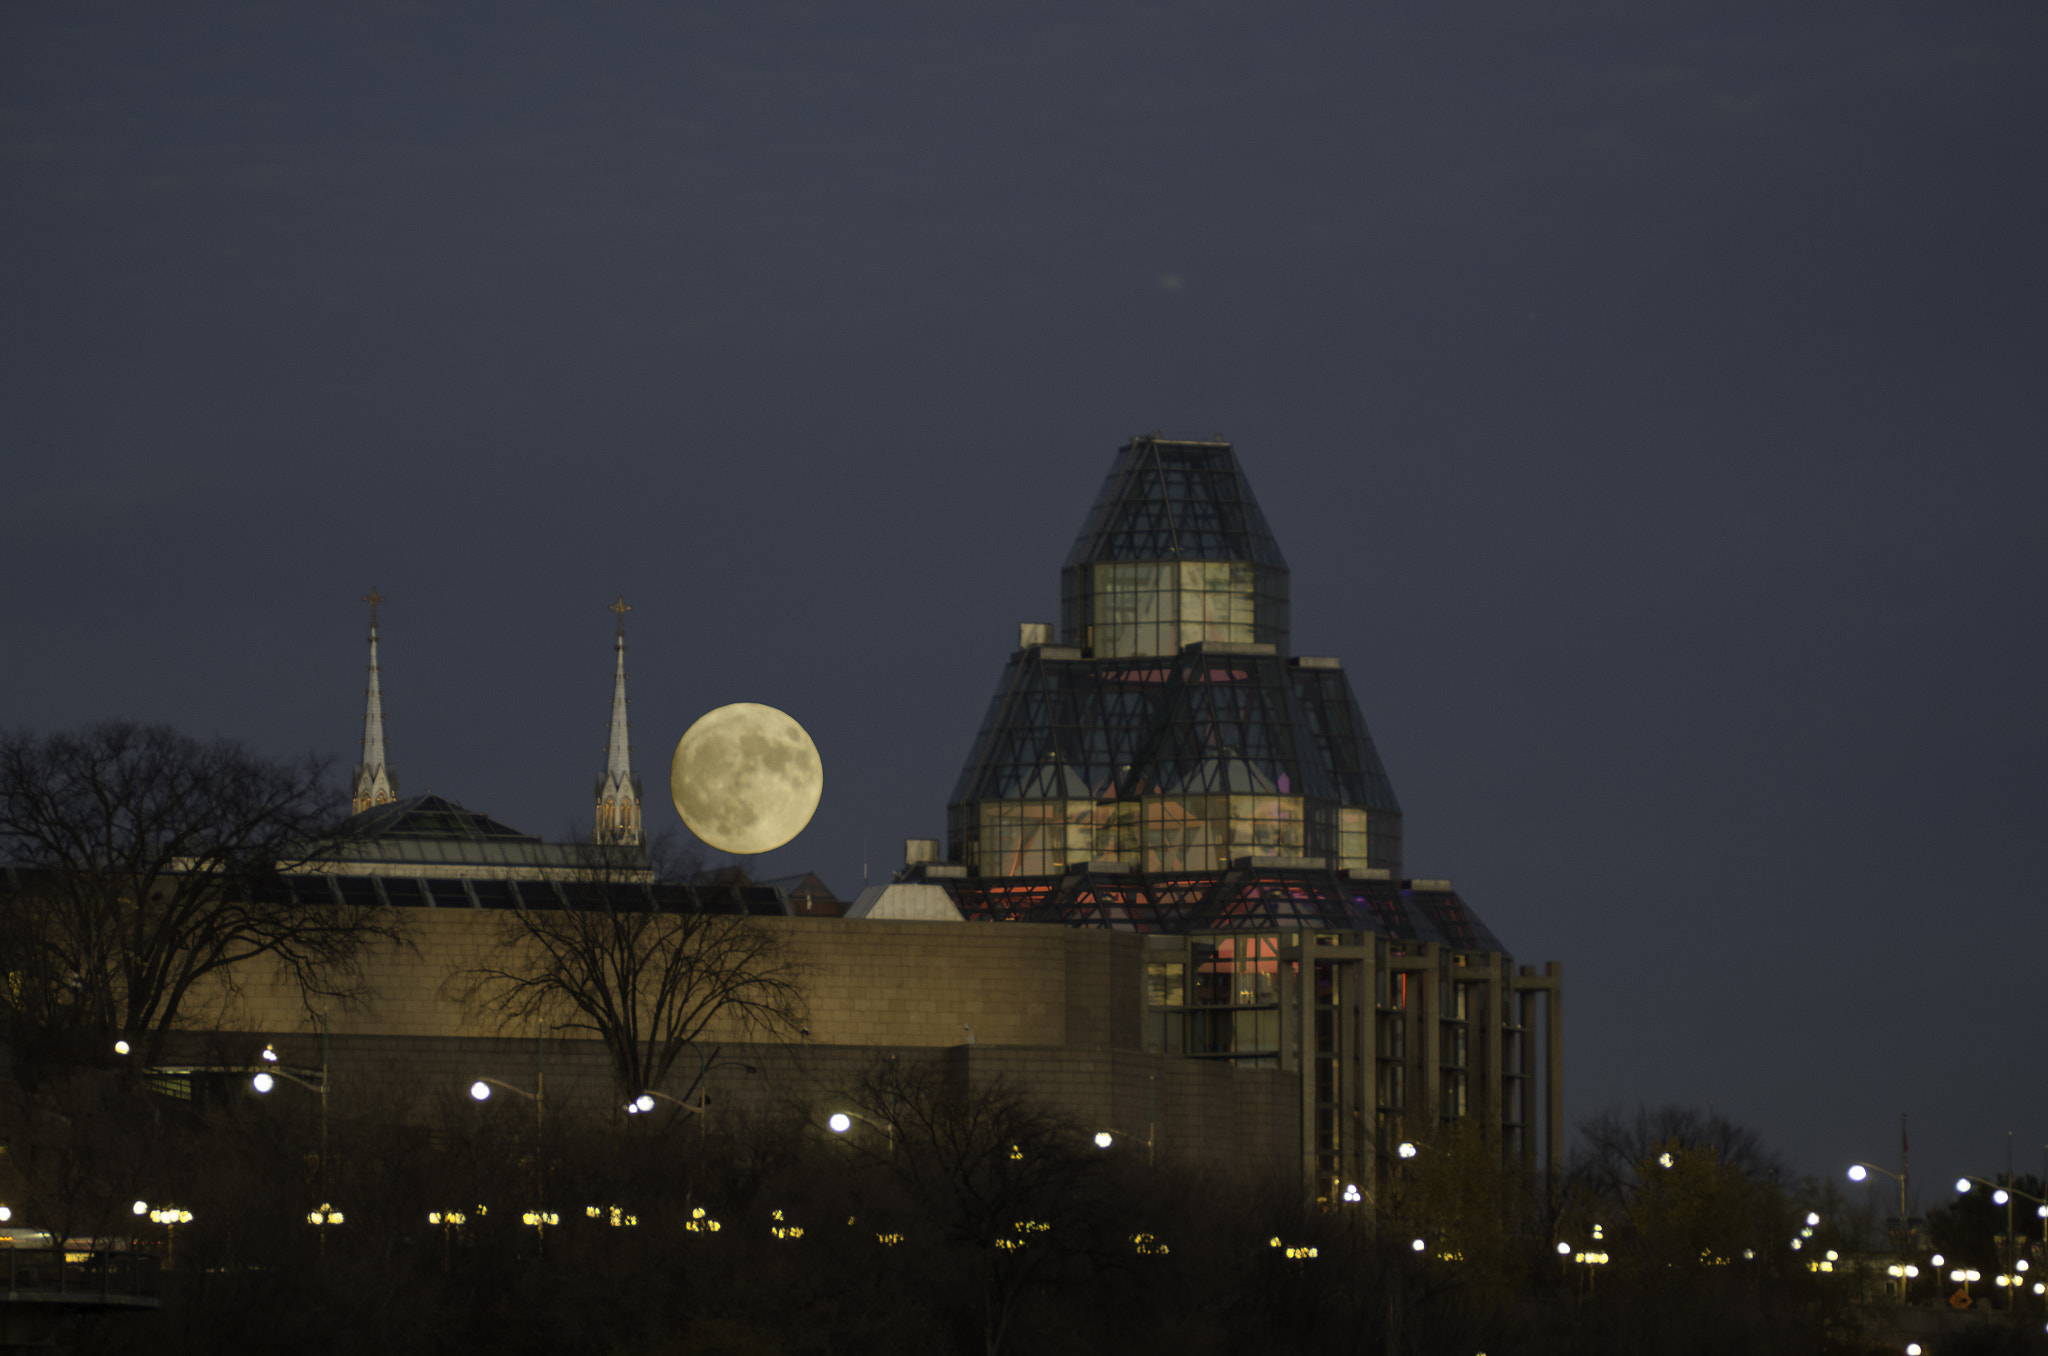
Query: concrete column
x=1305, y=1014
x=1492, y=1083
x=1364, y=1069
x=1432, y=1042
x=1553, y=1072
x=1525, y=1004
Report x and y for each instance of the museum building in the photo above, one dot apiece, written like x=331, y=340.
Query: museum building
x=1167, y=766
x=1171, y=895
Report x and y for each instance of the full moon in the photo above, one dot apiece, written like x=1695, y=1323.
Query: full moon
x=746, y=778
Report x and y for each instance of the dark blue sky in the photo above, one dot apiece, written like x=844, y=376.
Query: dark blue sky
x=1647, y=397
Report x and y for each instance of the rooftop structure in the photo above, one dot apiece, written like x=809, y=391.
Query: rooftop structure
x=1169, y=732
x=1167, y=767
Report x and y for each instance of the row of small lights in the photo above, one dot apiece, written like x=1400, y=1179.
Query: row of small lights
x=841, y=1122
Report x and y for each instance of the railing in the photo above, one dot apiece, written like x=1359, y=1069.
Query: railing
x=54, y=1276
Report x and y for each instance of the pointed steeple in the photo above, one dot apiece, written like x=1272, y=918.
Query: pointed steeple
x=618, y=791
x=373, y=784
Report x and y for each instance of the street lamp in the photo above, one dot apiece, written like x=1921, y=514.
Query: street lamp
x=839, y=1122
x=272, y=1068
x=2003, y=1195
x=481, y=1091
x=265, y=1080
x=1107, y=1137
x=170, y=1216
x=645, y=1102
x=706, y=1063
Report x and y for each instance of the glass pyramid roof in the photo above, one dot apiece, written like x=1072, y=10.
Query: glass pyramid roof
x=1167, y=500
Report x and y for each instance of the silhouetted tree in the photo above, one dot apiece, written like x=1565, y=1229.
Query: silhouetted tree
x=640, y=964
x=997, y=1182
x=143, y=862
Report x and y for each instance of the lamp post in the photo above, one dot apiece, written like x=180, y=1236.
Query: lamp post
x=480, y=1091
x=706, y=1063
x=1859, y=1172
x=322, y=1220
x=839, y=1122
x=448, y=1221
x=265, y=1080
x=170, y=1216
x=272, y=1068
x=644, y=1103
x=1105, y=1138
x=2003, y=1195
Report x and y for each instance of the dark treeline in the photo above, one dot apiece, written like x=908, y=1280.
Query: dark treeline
x=947, y=1220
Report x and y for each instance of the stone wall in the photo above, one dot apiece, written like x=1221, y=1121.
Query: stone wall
x=1055, y=1013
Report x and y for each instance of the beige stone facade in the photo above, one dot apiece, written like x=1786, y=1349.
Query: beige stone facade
x=1105, y=1026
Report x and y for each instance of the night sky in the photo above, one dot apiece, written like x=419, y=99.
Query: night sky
x=1648, y=398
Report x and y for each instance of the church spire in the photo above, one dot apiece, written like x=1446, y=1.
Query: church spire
x=618, y=791
x=373, y=784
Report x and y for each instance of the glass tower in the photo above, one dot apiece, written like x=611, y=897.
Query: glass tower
x=1170, y=732
x=1165, y=765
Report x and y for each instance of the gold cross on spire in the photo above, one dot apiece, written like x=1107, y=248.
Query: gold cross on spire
x=622, y=608
x=373, y=598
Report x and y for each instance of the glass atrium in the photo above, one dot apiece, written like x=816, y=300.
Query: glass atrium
x=1170, y=732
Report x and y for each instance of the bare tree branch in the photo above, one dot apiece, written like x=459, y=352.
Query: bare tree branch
x=642, y=965
x=143, y=862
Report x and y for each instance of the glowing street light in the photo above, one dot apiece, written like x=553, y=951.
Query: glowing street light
x=1107, y=1137
x=323, y=1219
x=481, y=1091
x=2003, y=1195
x=170, y=1216
x=264, y=1081
x=839, y=1122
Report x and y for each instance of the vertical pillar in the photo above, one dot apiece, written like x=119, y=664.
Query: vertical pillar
x=1525, y=1011
x=1430, y=1022
x=1305, y=1027
x=1492, y=1077
x=1364, y=1067
x=1553, y=1072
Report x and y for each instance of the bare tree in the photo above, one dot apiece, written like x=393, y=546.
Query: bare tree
x=1004, y=1184
x=1616, y=1145
x=141, y=862
x=643, y=962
